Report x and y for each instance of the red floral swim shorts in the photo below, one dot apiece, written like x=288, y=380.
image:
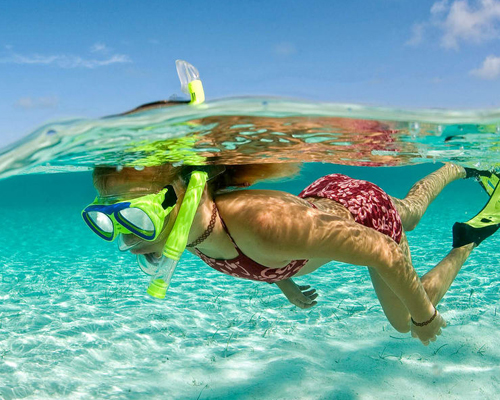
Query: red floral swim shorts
x=368, y=204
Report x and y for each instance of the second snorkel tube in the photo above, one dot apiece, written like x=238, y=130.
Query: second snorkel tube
x=163, y=268
x=177, y=240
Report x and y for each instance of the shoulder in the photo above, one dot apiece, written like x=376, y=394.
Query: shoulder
x=261, y=218
x=284, y=227
x=254, y=208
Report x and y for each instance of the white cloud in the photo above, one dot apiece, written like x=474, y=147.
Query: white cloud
x=439, y=7
x=489, y=70
x=65, y=61
x=417, y=34
x=37, y=102
x=285, y=49
x=99, y=48
x=467, y=24
x=460, y=22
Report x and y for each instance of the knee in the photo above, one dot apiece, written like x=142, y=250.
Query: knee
x=410, y=225
x=401, y=326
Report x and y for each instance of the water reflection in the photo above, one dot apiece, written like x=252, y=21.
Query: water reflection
x=239, y=132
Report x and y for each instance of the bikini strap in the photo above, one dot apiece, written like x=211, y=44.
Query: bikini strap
x=227, y=232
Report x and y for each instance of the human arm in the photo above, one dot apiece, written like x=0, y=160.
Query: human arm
x=274, y=228
x=317, y=235
x=430, y=330
x=426, y=328
x=298, y=295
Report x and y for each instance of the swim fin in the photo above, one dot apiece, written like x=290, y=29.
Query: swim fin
x=486, y=222
x=489, y=183
x=488, y=180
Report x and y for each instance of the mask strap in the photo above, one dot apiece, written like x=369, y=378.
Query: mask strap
x=212, y=171
x=170, y=197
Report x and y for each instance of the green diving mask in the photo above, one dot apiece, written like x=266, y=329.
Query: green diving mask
x=144, y=216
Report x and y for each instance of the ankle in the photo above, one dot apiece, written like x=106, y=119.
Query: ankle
x=456, y=171
x=461, y=171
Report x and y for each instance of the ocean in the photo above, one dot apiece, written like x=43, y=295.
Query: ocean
x=75, y=319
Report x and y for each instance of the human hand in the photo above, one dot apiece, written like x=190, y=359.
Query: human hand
x=428, y=333
x=298, y=295
x=304, y=298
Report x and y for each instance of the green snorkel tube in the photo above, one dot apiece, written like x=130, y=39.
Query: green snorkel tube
x=164, y=267
x=190, y=81
x=177, y=240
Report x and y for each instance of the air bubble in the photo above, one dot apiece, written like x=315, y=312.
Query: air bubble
x=414, y=129
x=119, y=168
x=139, y=167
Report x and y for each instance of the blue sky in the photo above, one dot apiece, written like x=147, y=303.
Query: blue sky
x=62, y=59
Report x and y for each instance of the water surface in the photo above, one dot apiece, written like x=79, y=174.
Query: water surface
x=76, y=321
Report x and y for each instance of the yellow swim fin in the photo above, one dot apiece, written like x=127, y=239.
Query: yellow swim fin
x=487, y=179
x=486, y=222
x=489, y=183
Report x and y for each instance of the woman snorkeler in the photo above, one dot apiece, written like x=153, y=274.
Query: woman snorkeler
x=273, y=236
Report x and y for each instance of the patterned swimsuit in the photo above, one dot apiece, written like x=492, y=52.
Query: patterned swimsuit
x=246, y=268
x=368, y=204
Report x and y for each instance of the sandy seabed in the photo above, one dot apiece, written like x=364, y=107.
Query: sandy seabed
x=76, y=324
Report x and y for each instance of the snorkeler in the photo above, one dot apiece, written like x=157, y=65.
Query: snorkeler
x=156, y=212
x=273, y=236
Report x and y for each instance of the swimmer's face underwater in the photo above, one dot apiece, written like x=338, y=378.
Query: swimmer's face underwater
x=139, y=214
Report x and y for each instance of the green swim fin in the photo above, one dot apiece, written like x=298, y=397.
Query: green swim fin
x=489, y=183
x=486, y=222
x=488, y=180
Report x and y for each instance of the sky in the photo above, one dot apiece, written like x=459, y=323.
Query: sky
x=61, y=59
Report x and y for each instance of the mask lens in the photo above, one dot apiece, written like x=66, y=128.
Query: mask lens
x=101, y=221
x=137, y=220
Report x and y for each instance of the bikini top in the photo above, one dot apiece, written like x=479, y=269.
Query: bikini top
x=246, y=268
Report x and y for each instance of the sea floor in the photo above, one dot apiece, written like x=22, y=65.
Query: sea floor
x=76, y=323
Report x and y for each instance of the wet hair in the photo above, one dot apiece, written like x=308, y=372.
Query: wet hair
x=225, y=177
x=153, y=105
x=238, y=176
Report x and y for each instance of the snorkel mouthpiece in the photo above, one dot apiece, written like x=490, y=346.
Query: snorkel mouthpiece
x=177, y=240
x=159, y=284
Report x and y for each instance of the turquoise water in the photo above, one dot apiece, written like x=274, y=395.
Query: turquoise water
x=256, y=130
x=76, y=322
x=75, y=319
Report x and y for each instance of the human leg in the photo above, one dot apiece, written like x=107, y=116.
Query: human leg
x=413, y=206
x=436, y=283
x=439, y=279
x=394, y=309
